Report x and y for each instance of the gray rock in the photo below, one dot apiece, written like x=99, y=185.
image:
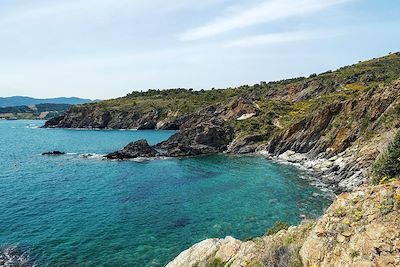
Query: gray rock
x=134, y=150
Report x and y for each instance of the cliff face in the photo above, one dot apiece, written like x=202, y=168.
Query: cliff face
x=359, y=229
x=95, y=117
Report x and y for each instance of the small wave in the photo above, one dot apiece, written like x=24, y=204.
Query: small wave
x=91, y=156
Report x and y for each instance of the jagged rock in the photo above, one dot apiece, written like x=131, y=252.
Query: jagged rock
x=303, y=136
x=173, y=123
x=247, y=144
x=134, y=150
x=201, y=134
x=357, y=231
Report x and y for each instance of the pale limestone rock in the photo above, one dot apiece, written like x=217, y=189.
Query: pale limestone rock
x=246, y=116
x=354, y=231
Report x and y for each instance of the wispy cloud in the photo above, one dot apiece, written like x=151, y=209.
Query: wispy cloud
x=266, y=11
x=277, y=38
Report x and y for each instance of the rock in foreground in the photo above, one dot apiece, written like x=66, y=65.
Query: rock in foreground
x=134, y=150
x=359, y=229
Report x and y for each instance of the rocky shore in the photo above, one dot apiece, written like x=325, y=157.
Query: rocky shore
x=337, y=174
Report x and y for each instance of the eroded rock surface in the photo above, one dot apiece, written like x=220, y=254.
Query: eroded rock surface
x=359, y=229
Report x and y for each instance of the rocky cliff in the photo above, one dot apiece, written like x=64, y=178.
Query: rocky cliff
x=361, y=228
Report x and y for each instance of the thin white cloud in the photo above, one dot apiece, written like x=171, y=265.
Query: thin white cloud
x=266, y=11
x=71, y=8
x=277, y=38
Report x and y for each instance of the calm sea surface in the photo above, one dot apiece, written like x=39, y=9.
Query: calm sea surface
x=72, y=211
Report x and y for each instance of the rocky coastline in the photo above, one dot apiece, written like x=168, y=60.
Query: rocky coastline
x=335, y=126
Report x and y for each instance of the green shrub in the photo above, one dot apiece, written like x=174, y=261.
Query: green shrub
x=388, y=164
x=354, y=253
x=215, y=262
x=278, y=226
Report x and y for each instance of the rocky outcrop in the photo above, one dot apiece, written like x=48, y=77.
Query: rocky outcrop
x=359, y=229
x=336, y=127
x=304, y=136
x=247, y=144
x=134, y=150
x=201, y=134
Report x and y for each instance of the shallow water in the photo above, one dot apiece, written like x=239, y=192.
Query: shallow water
x=71, y=211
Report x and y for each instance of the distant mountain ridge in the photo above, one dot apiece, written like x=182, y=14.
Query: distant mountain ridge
x=26, y=101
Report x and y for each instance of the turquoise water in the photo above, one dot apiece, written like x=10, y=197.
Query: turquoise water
x=71, y=211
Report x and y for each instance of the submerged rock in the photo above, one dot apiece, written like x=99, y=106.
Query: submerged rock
x=14, y=257
x=134, y=150
x=56, y=153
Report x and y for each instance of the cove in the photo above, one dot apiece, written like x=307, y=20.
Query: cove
x=71, y=211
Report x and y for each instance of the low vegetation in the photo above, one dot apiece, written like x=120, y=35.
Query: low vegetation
x=282, y=103
x=278, y=226
x=387, y=166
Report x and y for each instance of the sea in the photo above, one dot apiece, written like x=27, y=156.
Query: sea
x=79, y=209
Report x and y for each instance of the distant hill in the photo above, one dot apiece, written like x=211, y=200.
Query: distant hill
x=33, y=112
x=27, y=101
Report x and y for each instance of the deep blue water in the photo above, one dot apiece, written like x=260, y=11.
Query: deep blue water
x=71, y=211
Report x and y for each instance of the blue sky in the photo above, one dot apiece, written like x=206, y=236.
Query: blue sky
x=107, y=48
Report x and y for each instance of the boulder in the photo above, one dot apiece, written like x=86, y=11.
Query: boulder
x=134, y=150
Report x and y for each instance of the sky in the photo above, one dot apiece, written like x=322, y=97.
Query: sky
x=103, y=49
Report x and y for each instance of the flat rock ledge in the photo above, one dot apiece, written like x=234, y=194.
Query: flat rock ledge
x=360, y=229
